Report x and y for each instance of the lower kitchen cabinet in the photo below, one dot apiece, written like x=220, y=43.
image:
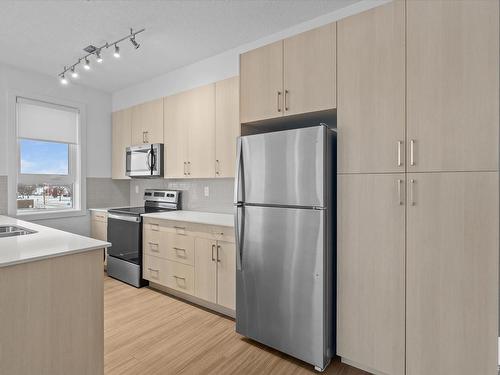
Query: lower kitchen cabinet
x=99, y=228
x=195, y=259
x=452, y=273
x=371, y=271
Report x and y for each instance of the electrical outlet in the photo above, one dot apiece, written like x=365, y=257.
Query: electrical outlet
x=206, y=191
x=137, y=189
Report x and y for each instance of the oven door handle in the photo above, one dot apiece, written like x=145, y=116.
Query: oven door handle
x=133, y=219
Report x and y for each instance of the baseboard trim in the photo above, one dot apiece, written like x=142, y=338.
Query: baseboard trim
x=361, y=367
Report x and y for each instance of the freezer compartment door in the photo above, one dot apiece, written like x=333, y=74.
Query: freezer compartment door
x=284, y=168
x=280, y=297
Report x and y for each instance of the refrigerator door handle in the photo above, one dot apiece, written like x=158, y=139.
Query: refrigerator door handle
x=239, y=170
x=238, y=234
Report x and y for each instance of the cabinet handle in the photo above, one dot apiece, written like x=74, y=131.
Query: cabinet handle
x=151, y=244
x=278, y=101
x=177, y=249
x=189, y=168
x=400, y=146
x=286, y=100
x=218, y=257
x=412, y=150
x=177, y=278
x=217, y=166
x=143, y=137
x=155, y=227
x=185, y=168
x=412, y=188
x=213, y=257
x=400, y=183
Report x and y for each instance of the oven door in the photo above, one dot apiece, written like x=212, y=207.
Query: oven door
x=125, y=235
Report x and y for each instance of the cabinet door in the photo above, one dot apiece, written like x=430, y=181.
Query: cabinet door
x=201, y=132
x=227, y=126
x=226, y=274
x=121, y=138
x=309, y=71
x=452, y=273
x=205, y=263
x=176, y=135
x=261, y=83
x=371, y=90
x=371, y=271
x=147, y=122
x=453, y=100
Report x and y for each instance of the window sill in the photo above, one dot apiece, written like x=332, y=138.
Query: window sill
x=34, y=216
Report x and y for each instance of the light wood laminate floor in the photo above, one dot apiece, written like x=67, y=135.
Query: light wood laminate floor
x=150, y=333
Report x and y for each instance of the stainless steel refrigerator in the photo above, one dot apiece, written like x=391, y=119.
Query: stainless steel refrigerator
x=285, y=241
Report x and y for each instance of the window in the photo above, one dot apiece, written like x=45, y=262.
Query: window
x=48, y=177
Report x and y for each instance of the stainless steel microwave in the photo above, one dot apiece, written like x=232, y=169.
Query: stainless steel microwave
x=145, y=160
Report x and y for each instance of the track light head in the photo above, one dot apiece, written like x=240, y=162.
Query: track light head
x=117, y=51
x=63, y=80
x=98, y=57
x=74, y=73
x=86, y=65
x=134, y=43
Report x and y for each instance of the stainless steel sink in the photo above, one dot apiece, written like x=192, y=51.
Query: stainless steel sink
x=12, y=230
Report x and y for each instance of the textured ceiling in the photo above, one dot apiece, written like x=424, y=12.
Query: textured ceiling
x=44, y=36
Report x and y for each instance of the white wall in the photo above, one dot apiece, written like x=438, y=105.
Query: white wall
x=98, y=127
x=221, y=66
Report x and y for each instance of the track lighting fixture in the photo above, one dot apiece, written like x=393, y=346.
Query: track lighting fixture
x=97, y=52
x=134, y=43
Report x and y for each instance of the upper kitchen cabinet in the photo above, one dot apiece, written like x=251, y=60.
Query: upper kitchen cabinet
x=453, y=83
x=189, y=126
x=261, y=83
x=309, y=71
x=288, y=77
x=371, y=90
x=147, y=122
x=227, y=126
x=121, y=133
x=201, y=129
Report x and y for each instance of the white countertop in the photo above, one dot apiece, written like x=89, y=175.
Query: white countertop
x=209, y=218
x=46, y=243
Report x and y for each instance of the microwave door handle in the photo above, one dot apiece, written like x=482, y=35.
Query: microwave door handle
x=148, y=160
x=153, y=159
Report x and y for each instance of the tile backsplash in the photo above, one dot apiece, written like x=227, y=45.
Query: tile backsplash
x=219, y=199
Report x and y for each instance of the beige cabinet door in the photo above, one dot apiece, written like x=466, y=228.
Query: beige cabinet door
x=147, y=122
x=309, y=71
x=261, y=83
x=205, y=265
x=452, y=273
x=371, y=271
x=121, y=133
x=99, y=230
x=201, y=132
x=226, y=274
x=227, y=126
x=453, y=99
x=371, y=90
x=176, y=135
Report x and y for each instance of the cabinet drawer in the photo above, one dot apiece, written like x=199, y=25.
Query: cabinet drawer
x=183, y=228
x=180, y=277
x=170, y=246
x=155, y=269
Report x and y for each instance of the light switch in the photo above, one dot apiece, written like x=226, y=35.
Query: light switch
x=206, y=191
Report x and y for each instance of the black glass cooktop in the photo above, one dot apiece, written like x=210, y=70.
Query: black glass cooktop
x=138, y=210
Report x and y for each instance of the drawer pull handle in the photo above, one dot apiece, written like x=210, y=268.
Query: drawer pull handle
x=155, y=227
x=177, y=249
x=153, y=246
x=218, y=253
x=183, y=228
x=183, y=284
x=151, y=270
x=213, y=257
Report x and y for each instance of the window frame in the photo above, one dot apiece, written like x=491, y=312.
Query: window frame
x=76, y=168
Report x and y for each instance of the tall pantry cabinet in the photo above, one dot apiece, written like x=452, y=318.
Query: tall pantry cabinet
x=418, y=94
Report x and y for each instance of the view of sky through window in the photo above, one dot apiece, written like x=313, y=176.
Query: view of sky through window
x=41, y=157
